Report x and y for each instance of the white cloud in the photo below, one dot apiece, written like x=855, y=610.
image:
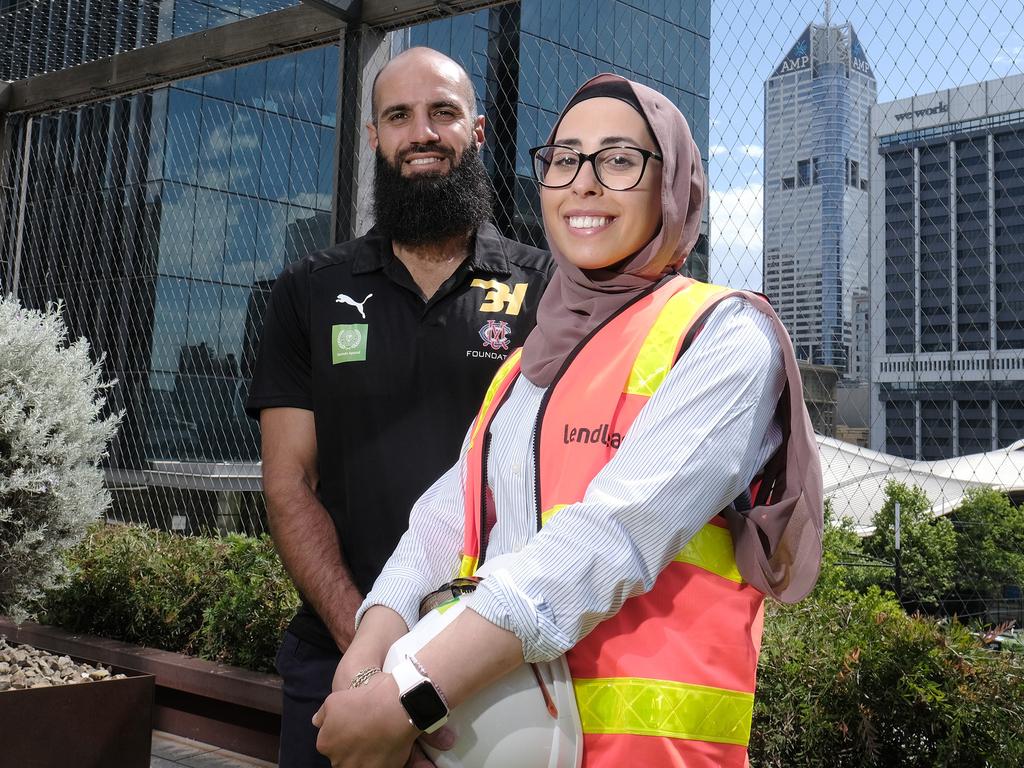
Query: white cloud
x=1009, y=57
x=752, y=150
x=717, y=149
x=736, y=238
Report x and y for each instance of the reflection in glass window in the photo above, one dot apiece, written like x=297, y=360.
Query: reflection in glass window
x=305, y=153
x=273, y=174
x=329, y=98
x=251, y=84
x=307, y=231
x=309, y=75
x=177, y=216
x=203, y=314
x=170, y=323
x=240, y=240
x=325, y=173
x=529, y=76
x=234, y=304
x=220, y=84
x=208, y=241
x=273, y=218
x=280, y=95
x=183, y=110
x=245, y=151
x=215, y=143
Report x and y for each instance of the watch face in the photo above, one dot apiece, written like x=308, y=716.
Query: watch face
x=424, y=705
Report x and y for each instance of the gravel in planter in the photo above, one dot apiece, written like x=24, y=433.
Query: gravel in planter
x=22, y=666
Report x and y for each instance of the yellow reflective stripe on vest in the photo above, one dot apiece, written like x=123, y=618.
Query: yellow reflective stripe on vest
x=492, y=390
x=711, y=549
x=549, y=513
x=468, y=567
x=642, y=707
x=658, y=352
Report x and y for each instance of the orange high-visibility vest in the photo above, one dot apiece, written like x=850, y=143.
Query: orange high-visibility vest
x=668, y=680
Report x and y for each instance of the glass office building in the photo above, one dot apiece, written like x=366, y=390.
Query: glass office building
x=816, y=146
x=948, y=260
x=528, y=58
x=161, y=219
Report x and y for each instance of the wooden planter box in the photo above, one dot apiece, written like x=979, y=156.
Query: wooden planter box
x=218, y=704
x=88, y=725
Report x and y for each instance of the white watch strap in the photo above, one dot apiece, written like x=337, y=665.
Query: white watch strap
x=407, y=676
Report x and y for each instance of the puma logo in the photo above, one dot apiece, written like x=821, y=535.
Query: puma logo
x=343, y=299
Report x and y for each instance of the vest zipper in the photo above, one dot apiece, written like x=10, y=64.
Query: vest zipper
x=483, y=496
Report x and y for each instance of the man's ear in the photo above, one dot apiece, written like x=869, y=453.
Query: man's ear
x=371, y=136
x=478, y=130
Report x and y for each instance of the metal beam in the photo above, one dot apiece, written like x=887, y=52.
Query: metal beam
x=365, y=53
x=214, y=49
x=220, y=48
x=348, y=11
x=394, y=14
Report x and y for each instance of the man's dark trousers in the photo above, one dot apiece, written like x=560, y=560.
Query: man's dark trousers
x=308, y=671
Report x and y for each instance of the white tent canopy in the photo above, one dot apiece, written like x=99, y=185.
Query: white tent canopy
x=855, y=477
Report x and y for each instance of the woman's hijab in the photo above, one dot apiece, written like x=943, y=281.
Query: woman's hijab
x=578, y=301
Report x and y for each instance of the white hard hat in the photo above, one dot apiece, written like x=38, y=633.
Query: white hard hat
x=527, y=719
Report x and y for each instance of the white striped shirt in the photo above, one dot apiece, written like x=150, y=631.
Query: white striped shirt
x=693, y=448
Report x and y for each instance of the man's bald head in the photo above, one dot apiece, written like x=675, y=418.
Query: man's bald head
x=422, y=60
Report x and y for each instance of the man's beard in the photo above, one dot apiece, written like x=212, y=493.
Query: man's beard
x=431, y=208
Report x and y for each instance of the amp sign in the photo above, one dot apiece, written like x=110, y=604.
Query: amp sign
x=799, y=56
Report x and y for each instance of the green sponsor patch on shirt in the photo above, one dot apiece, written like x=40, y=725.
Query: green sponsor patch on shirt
x=348, y=342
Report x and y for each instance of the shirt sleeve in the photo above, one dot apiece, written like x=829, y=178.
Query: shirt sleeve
x=282, y=376
x=693, y=448
x=427, y=555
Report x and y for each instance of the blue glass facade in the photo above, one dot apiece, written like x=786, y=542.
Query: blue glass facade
x=527, y=59
x=160, y=219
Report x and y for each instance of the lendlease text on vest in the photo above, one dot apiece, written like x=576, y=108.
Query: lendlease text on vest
x=593, y=435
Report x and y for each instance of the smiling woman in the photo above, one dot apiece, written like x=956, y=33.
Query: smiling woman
x=602, y=482
x=603, y=207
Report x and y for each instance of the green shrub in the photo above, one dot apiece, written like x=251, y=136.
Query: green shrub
x=221, y=599
x=52, y=436
x=927, y=548
x=852, y=680
x=990, y=543
x=242, y=625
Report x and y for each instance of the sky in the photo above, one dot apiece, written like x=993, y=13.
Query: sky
x=912, y=46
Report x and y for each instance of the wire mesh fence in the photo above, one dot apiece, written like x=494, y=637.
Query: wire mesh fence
x=866, y=171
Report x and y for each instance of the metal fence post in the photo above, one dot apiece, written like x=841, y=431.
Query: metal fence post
x=364, y=53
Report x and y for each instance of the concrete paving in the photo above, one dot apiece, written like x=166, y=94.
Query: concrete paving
x=170, y=751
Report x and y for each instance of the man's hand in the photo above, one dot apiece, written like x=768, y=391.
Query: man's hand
x=366, y=727
x=301, y=527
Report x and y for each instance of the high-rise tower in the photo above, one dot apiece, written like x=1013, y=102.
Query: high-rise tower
x=816, y=151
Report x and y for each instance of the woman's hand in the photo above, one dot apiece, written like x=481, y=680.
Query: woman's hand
x=379, y=628
x=365, y=727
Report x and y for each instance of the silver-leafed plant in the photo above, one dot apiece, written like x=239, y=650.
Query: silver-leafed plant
x=54, y=431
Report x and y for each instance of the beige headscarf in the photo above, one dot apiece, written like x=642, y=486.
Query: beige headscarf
x=576, y=301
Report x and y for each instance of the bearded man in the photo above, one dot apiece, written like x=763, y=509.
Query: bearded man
x=373, y=358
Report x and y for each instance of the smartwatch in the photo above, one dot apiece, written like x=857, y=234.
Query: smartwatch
x=423, y=702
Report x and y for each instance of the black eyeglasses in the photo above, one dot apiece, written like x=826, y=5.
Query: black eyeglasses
x=617, y=168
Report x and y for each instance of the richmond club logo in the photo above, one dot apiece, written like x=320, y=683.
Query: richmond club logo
x=495, y=334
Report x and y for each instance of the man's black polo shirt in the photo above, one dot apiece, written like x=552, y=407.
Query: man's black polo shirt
x=393, y=381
